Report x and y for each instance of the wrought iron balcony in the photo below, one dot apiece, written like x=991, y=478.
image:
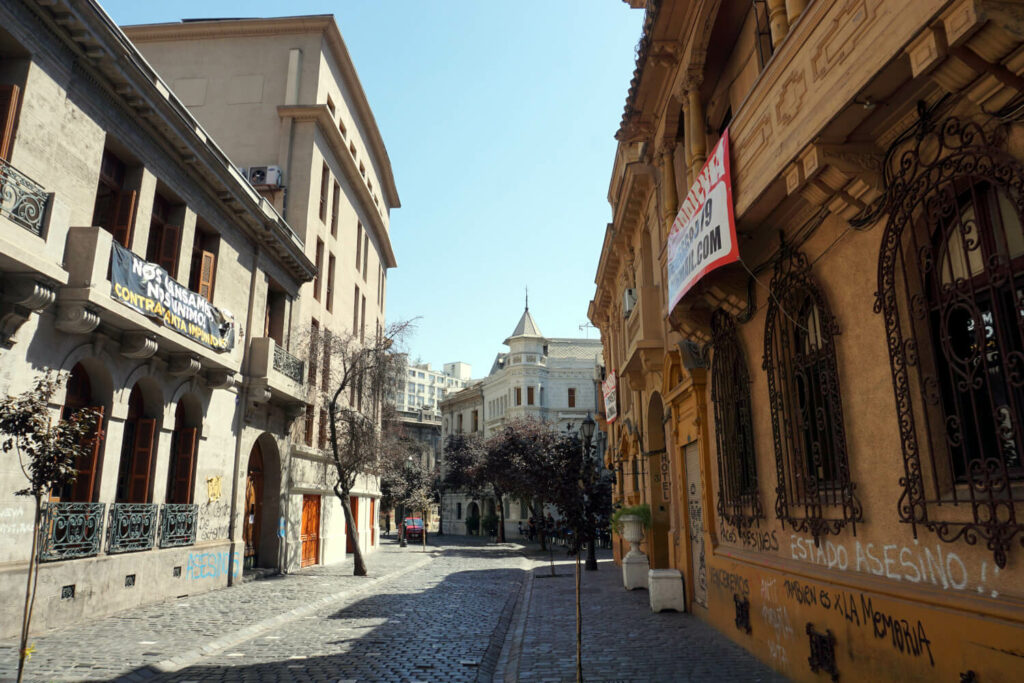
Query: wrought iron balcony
x=70, y=530
x=178, y=524
x=22, y=199
x=132, y=527
x=288, y=365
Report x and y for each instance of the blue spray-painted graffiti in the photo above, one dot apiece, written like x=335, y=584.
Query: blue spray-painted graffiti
x=213, y=565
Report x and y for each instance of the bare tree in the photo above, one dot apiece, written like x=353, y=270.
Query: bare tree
x=48, y=453
x=358, y=376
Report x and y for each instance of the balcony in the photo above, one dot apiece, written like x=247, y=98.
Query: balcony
x=178, y=524
x=132, y=527
x=644, y=335
x=22, y=199
x=70, y=530
x=275, y=375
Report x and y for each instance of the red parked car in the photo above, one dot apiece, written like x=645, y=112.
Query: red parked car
x=413, y=529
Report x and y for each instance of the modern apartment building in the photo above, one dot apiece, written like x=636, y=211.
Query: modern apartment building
x=136, y=260
x=282, y=98
x=424, y=388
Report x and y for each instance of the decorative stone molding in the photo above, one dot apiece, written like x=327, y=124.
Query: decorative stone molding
x=843, y=178
x=138, y=345
x=22, y=296
x=220, y=379
x=76, y=319
x=183, y=365
x=294, y=410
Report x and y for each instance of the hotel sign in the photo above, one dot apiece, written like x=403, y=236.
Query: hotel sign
x=703, y=235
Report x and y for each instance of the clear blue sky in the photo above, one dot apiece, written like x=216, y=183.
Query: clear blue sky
x=499, y=117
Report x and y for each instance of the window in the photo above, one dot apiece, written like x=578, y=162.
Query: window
x=203, y=272
x=319, y=268
x=275, y=313
x=519, y=396
x=330, y=283
x=307, y=437
x=362, y=323
x=352, y=149
x=359, y=244
x=342, y=129
x=184, y=444
x=335, y=201
x=529, y=396
x=79, y=394
x=9, y=101
x=135, y=473
x=115, y=206
x=739, y=502
x=476, y=421
x=362, y=169
x=326, y=356
x=164, y=237
x=321, y=441
x=366, y=252
x=355, y=312
x=458, y=511
x=330, y=105
x=314, y=351
x=572, y=397
x=458, y=421
x=815, y=494
x=325, y=180
x=950, y=284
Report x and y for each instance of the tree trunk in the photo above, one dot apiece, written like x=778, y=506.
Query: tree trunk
x=358, y=563
x=501, y=520
x=423, y=536
x=539, y=525
x=30, y=590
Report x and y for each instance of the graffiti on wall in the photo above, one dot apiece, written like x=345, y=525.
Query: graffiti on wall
x=213, y=565
x=213, y=520
x=754, y=539
x=936, y=565
x=776, y=615
x=729, y=582
x=691, y=454
x=12, y=522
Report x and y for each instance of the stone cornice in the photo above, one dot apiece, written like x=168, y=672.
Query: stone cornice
x=321, y=116
x=320, y=23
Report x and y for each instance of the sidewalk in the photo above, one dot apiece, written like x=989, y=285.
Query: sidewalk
x=169, y=635
x=622, y=639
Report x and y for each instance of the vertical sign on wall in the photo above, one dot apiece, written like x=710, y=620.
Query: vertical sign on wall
x=666, y=478
x=703, y=235
x=691, y=454
x=611, y=406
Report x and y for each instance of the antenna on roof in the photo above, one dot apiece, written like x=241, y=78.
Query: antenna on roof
x=586, y=327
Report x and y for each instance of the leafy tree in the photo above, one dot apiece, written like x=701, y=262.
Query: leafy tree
x=48, y=453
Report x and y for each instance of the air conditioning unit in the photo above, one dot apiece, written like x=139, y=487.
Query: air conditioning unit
x=265, y=175
x=628, y=301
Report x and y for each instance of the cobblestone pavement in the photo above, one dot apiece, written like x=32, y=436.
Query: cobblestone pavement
x=463, y=611
x=622, y=639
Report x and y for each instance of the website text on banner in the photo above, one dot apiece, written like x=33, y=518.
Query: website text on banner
x=611, y=406
x=703, y=235
x=150, y=290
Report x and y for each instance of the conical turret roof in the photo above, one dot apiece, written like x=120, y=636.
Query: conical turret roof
x=526, y=327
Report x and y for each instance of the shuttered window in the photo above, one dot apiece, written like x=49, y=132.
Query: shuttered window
x=9, y=100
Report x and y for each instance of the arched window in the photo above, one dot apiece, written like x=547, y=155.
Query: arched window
x=134, y=480
x=814, y=492
x=184, y=445
x=79, y=395
x=951, y=290
x=739, y=502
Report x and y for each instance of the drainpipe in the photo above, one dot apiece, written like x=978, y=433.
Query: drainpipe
x=243, y=398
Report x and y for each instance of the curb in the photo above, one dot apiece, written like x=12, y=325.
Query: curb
x=190, y=657
x=507, y=668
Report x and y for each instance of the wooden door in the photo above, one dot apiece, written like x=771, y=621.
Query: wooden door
x=353, y=501
x=310, y=536
x=253, y=506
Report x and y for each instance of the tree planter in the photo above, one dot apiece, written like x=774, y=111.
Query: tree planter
x=635, y=564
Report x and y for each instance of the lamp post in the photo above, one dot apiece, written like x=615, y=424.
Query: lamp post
x=401, y=529
x=589, y=470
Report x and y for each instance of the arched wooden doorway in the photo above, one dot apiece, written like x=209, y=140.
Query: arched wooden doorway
x=253, y=522
x=661, y=484
x=473, y=513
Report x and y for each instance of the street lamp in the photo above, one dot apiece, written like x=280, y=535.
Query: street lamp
x=587, y=436
x=401, y=536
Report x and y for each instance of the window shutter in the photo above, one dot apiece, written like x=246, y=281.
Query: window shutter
x=142, y=461
x=85, y=484
x=124, y=218
x=184, y=465
x=9, y=98
x=207, y=270
x=168, y=254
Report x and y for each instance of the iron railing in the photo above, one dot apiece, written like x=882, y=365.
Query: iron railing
x=22, y=199
x=288, y=365
x=70, y=530
x=132, y=527
x=178, y=524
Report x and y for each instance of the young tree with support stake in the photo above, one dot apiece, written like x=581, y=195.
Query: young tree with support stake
x=358, y=377
x=48, y=453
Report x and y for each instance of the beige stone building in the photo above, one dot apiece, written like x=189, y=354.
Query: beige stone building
x=828, y=430
x=136, y=259
x=282, y=98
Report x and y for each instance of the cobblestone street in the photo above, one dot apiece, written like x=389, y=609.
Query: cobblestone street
x=462, y=611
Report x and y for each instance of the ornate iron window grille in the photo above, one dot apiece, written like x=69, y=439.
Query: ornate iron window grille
x=22, y=199
x=70, y=530
x=739, y=502
x=823, y=651
x=814, y=493
x=288, y=365
x=132, y=527
x=951, y=292
x=178, y=524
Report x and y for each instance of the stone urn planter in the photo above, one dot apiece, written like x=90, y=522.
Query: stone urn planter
x=633, y=532
x=635, y=564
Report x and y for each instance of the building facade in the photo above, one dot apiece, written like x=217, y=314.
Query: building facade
x=828, y=430
x=424, y=388
x=553, y=380
x=282, y=97
x=136, y=261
